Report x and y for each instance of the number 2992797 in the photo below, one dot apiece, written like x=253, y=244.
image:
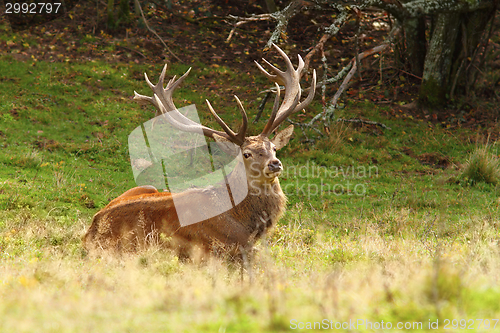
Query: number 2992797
x=32, y=8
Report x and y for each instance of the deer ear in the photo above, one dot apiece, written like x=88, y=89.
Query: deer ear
x=281, y=139
x=226, y=145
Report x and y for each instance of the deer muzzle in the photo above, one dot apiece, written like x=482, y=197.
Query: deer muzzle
x=275, y=166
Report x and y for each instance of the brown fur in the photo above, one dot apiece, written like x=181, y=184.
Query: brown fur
x=143, y=215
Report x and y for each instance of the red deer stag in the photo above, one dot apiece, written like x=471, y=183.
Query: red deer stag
x=142, y=214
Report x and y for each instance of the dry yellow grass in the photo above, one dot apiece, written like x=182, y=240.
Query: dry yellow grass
x=298, y=276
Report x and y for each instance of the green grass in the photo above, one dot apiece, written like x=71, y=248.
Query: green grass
x=482, y=166
x=376, y=228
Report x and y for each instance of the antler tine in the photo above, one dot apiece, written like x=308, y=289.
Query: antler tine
x=221, y=122
x=296, y=106
x=289, y=65
x=148, y=81
x=309, y=97
x=161, y=80
x=162, y=100
x=276, y=78
x=244, y=123
x=192, y=127
x=238, y=138
x=291, y=80
x=179, y=125
x=165, y=95
x=267, y=129
x=171, y=81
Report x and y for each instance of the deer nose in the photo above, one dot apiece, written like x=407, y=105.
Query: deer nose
x=275, y=166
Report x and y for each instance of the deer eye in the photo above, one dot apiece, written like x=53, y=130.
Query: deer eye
x=247, y=155
x=274, y=148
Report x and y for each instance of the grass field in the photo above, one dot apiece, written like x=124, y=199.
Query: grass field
x=382, y=231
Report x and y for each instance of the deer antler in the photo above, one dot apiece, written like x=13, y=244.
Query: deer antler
x=291, y=80
x=162, y=100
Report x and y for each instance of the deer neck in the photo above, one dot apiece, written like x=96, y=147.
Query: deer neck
x=259, y=189
x=268, y=187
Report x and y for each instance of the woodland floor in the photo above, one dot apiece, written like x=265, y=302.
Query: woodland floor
x=197, y=31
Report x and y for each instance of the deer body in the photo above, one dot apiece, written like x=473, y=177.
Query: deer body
x=143, y=215
x=140, y=221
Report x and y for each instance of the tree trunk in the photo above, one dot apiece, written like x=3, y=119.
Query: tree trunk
x=473, y=29
x=124, y=13
x=439, y=60
x=271, y=6
x=453, y=49
x=111, y=22
x=415, y=45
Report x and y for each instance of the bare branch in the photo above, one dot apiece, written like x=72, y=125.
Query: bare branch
x=418, y=8
x=261, y=106
x=425, y=7
x=332, y=30
x=361, y=121
x=154, y=32
x=283, y=16
x=361, y=56
x=318, y=47
x=351, y=68
x=325, y=77
x=242, y=20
